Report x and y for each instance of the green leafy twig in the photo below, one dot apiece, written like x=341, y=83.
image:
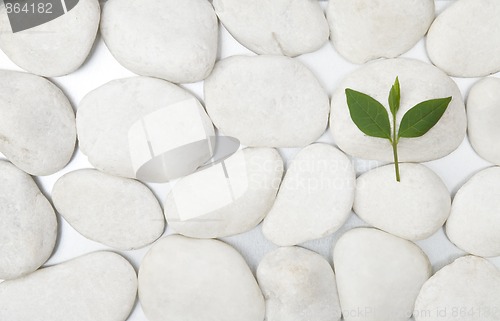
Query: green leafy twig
x=372, y=118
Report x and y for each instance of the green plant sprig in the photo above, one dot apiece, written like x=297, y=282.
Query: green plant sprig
x=372, y=118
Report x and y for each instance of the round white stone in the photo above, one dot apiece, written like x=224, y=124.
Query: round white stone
x=28, y=225
x=229, y=198
x=419, y=82
x=298, y=285
x=474, y=221
x=278, y=27
x=266, y=101
x=414, y=208
x=57, y=47
x=127, y=122
x=315, y=198
x=466, y=290
x=171, y=39
x=37, y=126
x=186, y=279
x=464, y=40
x=118, y=212
x=483, y=115
x=100, y=286
x=362, y=31
x=378, y=275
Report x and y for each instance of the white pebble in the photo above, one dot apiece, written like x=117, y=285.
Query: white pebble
x=414, y=208
x=378, y=275
x=57, y=47
x=185, y=279
x=419, y=82
x=298, y=285
x=466, y=290
x=28, y=228
x=37, y=126
x=315, y=198
x=483, y=115
x=127, y=125
x=362, y=31
x=474, y=221
x=229, y=198
x=464, y=40
x=171, y=39
x=285, y=27
x=118, y=212
x=100, y=286
x=266, y=101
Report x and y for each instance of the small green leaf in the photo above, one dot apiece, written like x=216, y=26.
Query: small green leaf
x=394, y=97
x=369, y=115
x=421, y=118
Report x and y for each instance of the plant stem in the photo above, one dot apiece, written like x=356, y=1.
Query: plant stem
x=394, y=142
x=396, y=162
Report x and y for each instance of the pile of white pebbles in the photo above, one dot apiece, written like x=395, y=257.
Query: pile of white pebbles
x=151, y=129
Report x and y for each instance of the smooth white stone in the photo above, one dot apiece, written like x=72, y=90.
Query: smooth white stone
x=186, y=279
x=483, y=115
x=414, y=208
x=118, y=212
x=362, y=31
x=315, y=198
x=108, y=117
x=55, y=48
x=277, y=27
x=37, y=126
x=28, y=225
x=266, y=101
x=298, y=285
x=229, y=198
x=474, y=221
x=466, y=290
x=464, y=40
x=100, y=286
x=378, y=275
x=419, y=82
x=171, y=39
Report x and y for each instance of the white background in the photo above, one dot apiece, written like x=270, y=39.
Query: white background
x=330, y=68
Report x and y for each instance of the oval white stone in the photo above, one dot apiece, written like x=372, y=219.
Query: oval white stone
x=414, y=208
x=315, y=198
x=28, y=225
x=226, y=199
x=266, y=101
x=298, y=285
x=284, y=27
x=100, y=286
x=464, y=40
x=362, y=31
x=187, y=279
x=37, y=127
x=127, y=122
x=378, y=275
x=419, y=82
x=466, y=290
x=474, y=221
x=483, y=115
x=171, y=39
x=119, y=212
x=57, y=47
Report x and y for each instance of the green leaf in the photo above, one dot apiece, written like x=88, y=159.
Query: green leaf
x=421, y=118
x=369, y=115
x=394, y=97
